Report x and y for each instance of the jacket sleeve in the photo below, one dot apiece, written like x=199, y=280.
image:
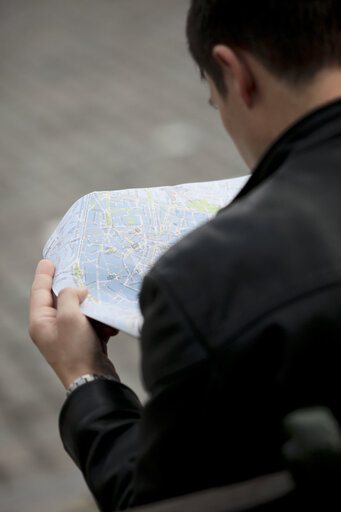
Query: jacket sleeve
x=131, y=455
x=99, y=425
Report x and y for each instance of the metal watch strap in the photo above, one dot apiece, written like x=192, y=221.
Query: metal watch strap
x=83, y=379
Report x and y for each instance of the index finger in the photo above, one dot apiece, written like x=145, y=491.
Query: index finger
x=41, y=291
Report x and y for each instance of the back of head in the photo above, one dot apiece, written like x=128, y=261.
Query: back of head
x=293, y=39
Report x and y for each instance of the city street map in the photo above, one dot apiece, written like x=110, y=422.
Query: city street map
x=108, y=241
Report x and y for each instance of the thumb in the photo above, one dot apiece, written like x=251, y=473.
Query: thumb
x=68, y=301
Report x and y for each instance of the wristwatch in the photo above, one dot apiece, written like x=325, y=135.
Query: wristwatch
x=89, y=377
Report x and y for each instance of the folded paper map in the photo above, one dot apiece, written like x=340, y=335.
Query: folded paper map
x=108, y=241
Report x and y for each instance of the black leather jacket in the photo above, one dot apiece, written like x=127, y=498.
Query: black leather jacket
x=242, y=325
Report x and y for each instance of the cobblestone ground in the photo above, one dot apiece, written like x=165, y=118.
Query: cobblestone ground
x=94, y=95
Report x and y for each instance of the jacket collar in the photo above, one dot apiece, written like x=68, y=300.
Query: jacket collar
x=315, y=127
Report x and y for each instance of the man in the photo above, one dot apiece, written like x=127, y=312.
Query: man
x=242, y=318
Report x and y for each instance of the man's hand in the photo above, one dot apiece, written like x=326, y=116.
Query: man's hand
x=69, y=342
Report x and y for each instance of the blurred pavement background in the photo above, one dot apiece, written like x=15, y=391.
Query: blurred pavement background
x=94, y=95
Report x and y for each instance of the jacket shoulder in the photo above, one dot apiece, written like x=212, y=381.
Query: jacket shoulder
x=270, y=247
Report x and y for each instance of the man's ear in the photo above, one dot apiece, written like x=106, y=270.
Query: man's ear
x=237, y=72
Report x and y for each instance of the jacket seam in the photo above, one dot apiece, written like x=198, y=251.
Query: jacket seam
x=187, y=318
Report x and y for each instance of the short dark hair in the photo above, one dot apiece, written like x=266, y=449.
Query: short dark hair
x=293, y=39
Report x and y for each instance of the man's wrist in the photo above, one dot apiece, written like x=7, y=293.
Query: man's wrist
x=67, y=374
x=88, y=377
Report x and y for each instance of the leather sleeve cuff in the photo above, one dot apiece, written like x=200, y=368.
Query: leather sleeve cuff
x=90, y=407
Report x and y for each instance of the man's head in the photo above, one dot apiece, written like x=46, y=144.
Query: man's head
x=289, y=42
